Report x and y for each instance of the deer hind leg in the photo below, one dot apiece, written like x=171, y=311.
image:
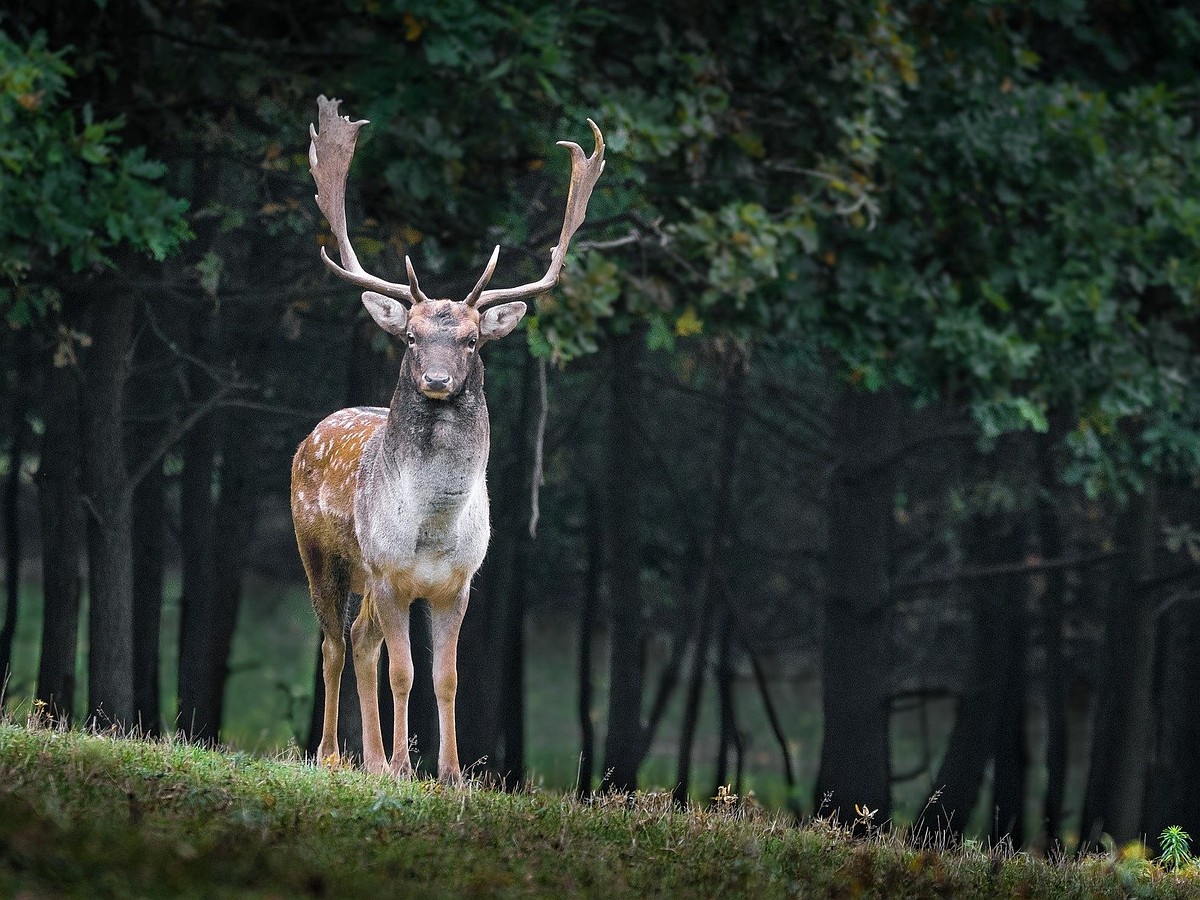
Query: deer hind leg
x=391, y=613
x=365, y=638
x=329, y=588
x=446, y=622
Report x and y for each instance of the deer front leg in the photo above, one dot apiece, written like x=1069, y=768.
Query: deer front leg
x=393, y=619
x=446, y=622
x=365, y=638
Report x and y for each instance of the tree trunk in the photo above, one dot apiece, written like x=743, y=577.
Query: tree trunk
x=594, y=537
x=512, y=672
x=62, y=538
x=728, y=738
x=668, y=680
x=989, y=723
x=149, y=540
x=1116, y=784
x=150, y=413
x=1173, y=791
x=760, y=680
x=108, y=498
x=1010, y=757
x=627, y=634
x=479, y=682
x=197, y=713
x=1135, y=692
x=959, y=779
x=12, y=534
x=691, y=706
x=713, y=553
x=855, y=765
x=1096, y=798
x=511, y=701
x=1055, y=675
x=234, y=530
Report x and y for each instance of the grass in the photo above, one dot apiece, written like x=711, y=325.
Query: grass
x=93, y=815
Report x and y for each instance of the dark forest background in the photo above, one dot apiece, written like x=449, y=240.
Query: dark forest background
x=871, y=369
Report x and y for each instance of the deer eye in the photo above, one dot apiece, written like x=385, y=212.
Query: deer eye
x=411, y=338
x=471, y=343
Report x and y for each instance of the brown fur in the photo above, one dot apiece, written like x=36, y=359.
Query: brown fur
x=324, y=482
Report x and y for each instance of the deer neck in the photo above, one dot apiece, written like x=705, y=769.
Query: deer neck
x=450, y=433
x=422, y=504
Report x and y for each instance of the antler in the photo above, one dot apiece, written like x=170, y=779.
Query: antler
x=585, y=170
x=329, y=157
x=484, y=278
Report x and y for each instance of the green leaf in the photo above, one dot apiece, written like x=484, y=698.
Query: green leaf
x=660, y=336
x=209, y=268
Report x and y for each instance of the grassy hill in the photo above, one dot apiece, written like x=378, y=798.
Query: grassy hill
x=88, y=815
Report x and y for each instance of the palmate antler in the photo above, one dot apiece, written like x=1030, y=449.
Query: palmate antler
x=585, y=170
x=329, y=157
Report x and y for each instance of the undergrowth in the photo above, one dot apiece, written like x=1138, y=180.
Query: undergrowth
x=98, y=815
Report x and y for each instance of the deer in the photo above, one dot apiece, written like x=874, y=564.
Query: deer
x=392, y=504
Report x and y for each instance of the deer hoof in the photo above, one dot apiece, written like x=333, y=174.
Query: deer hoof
x=375, y=765
x=451, y=776
x=329, y=759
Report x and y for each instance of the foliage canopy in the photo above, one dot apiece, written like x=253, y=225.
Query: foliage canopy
x=71, y=191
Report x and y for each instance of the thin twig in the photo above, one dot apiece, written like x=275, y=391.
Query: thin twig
x=539, y=442
x=1019, y=568
x=632, y=238
x=1169, y=602
x=175, y=434
x=211, y=371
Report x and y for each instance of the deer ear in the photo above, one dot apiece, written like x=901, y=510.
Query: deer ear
x=389, y=314
x=500, y=320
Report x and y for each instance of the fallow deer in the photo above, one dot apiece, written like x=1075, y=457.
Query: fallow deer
x=392, y=503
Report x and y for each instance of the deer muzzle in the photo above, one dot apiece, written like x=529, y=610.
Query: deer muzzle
x=436, y=384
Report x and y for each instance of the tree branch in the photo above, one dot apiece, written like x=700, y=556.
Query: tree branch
x=174, y=435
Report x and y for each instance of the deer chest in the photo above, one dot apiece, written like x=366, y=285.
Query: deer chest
x=425, y=522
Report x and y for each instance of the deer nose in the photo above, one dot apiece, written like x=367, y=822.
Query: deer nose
x=436, y=381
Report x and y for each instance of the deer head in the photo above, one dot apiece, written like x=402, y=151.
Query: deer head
x=442, y=336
